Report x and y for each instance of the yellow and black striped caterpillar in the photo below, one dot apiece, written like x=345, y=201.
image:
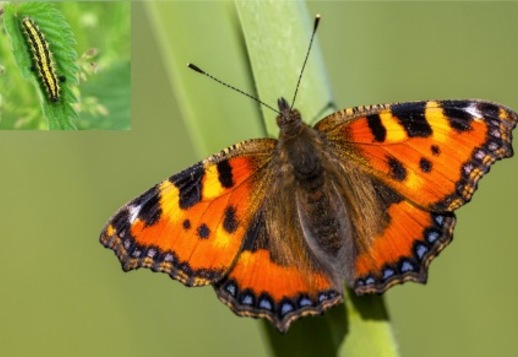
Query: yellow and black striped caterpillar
x=42, y=59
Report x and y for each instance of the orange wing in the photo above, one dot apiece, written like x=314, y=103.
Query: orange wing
x=433, y=152
x=265, y=284
x=425, y=159
x=402, y=252
x=191, y=226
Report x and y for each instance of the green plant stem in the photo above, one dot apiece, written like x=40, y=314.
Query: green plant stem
x=276, y=54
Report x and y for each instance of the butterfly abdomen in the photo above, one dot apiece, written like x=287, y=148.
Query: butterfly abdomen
x=319, y=206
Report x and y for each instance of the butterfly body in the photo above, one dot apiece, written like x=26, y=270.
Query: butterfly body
x=311, y=190
x=366, y=196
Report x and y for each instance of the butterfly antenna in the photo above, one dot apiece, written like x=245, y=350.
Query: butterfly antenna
x=199, y=70
x=315, y=26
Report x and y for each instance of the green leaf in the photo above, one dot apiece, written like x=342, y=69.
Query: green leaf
x=104, y=99
x=60, y=39
x=277, y=53
x=214, y=116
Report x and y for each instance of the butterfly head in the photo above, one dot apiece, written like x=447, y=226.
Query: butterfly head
x=289, y=119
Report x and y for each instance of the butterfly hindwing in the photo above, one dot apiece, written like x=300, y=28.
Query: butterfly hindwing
x=192, y=225
x=412, y=237
x=264, y=284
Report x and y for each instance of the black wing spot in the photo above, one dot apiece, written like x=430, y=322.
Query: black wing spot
x=458, y=117
x=425, y=165
x=230, y=221
x=436, y=150
x=150, y=210
x=121, y=222
x=412, y=117
x=488, y=109
x=203, y=231
x=376, y=126
x=397, y=169
x=189, y=183
x=225, y=176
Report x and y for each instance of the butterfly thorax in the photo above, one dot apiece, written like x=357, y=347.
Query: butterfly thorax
x=299, y=147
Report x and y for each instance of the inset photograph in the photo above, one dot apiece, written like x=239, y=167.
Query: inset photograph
x=65, y=66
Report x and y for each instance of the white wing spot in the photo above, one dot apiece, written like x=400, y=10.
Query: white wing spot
x=133, y=212
x=474, y=111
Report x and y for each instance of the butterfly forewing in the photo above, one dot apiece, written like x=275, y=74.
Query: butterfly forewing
x=431, y=152
x=192, y=225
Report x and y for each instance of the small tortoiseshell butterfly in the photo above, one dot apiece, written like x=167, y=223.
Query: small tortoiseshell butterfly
x=367, y=195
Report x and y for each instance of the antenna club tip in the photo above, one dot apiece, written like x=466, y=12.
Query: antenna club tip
x=317, y=20
x=195, y=68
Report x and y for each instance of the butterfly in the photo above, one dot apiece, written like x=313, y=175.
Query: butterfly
x=366, y=196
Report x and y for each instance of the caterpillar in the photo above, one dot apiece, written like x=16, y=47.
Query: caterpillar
x=42, y=59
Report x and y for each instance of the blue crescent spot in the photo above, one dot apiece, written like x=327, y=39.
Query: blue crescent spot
x=421, y=251
x=387, y=273
x=286, y=308
x=407, y=266
x=265, y=304
x=231, y=289
x=432, y=236
x=370, y=280
x=303, y=302
x=247, y=299
x=439, y=220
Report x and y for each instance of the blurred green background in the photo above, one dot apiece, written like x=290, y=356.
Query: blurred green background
x=63, y=294
x=102, y=34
